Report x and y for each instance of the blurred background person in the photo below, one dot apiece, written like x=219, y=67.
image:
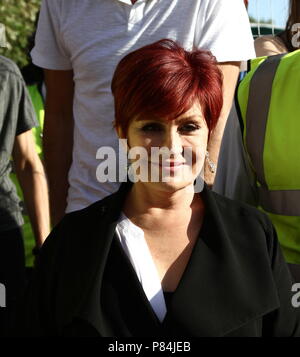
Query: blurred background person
x=34, y=79
x=285, y=41
x=17, y=118
x=263, y=160
x=79, y=62
x=268, y=100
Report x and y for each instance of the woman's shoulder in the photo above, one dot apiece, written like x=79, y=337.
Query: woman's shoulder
x=269, y=45
x=108, y=206
x=241, y=213
x=245, y=228
x=80, y=224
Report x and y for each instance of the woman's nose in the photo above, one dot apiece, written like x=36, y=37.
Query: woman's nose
x=173, y=142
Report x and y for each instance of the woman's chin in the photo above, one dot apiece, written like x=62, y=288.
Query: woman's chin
x=171, y=185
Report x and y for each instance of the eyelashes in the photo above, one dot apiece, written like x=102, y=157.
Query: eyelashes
x=157, y=127
x=190, y=127
x=152, y=127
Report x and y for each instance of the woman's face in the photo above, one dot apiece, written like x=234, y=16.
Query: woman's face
x=168, y=153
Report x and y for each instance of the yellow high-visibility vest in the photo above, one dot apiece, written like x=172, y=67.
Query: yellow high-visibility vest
x=269, y=102
x=38, y=105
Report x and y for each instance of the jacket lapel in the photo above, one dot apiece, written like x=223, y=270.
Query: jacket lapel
x=223, y=287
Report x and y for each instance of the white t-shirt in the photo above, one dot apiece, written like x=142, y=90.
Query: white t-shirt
x=91, y=36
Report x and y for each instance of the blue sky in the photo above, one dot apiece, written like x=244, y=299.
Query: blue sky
x=263, y=9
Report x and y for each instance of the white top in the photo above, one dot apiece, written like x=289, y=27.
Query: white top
x=91, y=36
x=135, y=246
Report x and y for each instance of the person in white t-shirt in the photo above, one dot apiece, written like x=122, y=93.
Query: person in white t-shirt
x=79, y=43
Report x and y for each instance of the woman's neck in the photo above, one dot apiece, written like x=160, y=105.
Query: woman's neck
x=148, y=200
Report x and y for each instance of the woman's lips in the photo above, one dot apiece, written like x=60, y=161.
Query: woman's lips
x=168, y=164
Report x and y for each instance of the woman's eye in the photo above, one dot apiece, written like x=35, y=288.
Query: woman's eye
x=151, y=127
x=189, y=127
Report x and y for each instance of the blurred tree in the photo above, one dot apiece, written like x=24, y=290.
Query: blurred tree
x=261, y=21
x=18, y=17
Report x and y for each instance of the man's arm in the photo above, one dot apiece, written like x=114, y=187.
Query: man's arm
x=58, y=138
x=31, y=175
x=230, y=72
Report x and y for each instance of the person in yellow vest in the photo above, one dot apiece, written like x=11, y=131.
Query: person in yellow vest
x=268, y=99
x=38, y=104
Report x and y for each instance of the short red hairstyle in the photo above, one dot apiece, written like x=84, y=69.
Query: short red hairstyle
x=163, y=80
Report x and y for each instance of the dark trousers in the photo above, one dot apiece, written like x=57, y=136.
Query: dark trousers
x=12, y=277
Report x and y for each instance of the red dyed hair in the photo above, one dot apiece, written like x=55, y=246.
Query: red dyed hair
x=163, y=80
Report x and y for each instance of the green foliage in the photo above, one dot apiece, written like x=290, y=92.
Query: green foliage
x=18, y=17
x=253, y=20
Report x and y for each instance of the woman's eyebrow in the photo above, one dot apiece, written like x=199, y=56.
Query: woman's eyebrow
x=194, y=117
x=148, y=119
x=197, y=118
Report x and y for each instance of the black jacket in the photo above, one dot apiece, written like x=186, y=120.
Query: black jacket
x=235, y=284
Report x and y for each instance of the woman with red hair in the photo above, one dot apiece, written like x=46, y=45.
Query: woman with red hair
x=161, y=257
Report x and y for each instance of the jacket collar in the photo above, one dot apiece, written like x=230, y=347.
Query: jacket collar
x=221, y=289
